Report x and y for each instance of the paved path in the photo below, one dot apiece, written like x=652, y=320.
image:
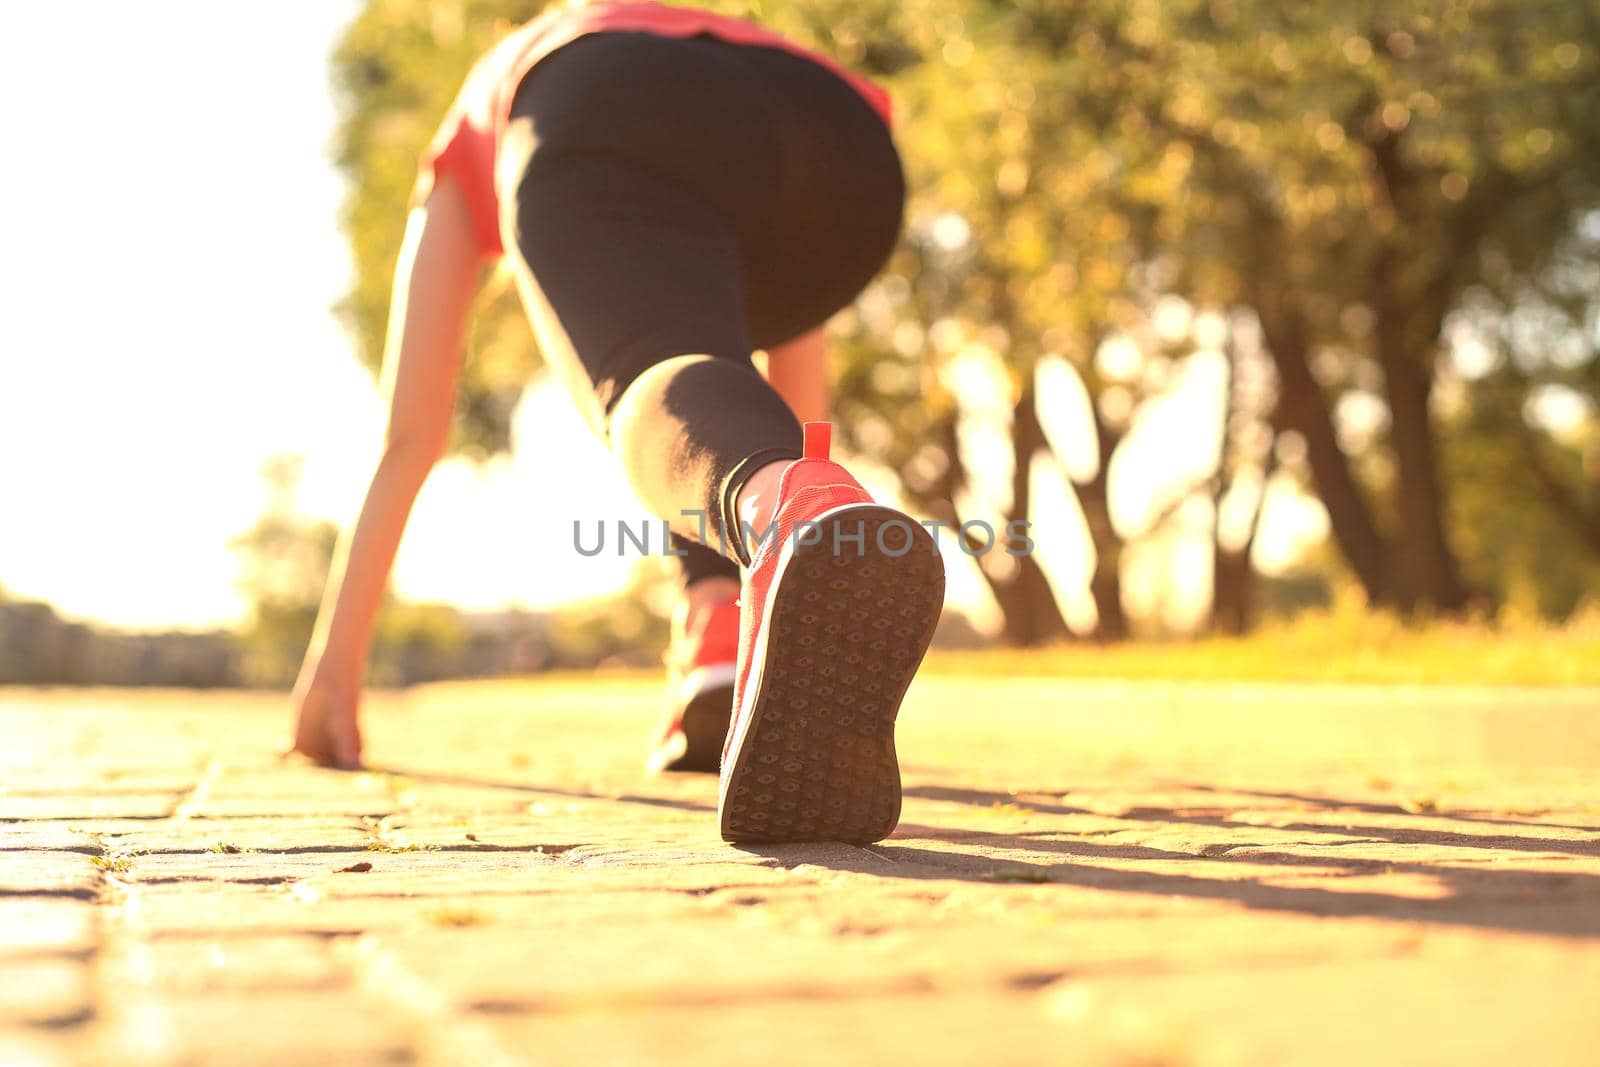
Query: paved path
x=1087, y=874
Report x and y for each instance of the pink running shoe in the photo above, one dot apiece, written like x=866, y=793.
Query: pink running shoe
x=838, y=607
x=700, y=673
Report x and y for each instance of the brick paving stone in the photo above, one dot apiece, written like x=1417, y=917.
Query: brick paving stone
x=1444, y=1002
x=229, y=836
x=89, y=806
x=99, y=779
x=74, y=835
x=189, y=869
x=254, y=1028
x=207, y=965
x=222, y=909
x=29, y=1047
x=46, y=925
x=44, y=992
x=350, y=803
x=1095, y=873
x=47, y=836
x=70, y=874
x=884, y=1028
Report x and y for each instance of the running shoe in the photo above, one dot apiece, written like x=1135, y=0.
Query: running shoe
x=700, y=673
x=837, y=610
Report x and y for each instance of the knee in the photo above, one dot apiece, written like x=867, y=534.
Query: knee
x=682, y=389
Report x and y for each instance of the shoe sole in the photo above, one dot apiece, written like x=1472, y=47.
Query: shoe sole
x=844, y=634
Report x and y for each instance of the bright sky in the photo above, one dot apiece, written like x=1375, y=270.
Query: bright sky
x=171, y=251
x=170, y=254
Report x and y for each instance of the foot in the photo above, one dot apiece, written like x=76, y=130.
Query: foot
x=700, y=671
x=837, y=609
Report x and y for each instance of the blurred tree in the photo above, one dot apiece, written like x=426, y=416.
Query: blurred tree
x=1356, y=173
x=395, y=72
x=1528, y=506
x=419, y=643
x=1346, y=176
x=1017, y=246
x=1238, y=491
x=283, y=564
x=1525, y=444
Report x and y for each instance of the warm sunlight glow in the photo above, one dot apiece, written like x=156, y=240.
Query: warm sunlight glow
x=171, y=275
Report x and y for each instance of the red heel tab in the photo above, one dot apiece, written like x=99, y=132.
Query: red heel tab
x=818, y=439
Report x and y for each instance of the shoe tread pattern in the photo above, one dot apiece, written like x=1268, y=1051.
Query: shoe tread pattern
x=848, y=633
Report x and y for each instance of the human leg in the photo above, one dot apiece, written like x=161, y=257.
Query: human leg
x=650, y=271
x=626, y=213
x=631, y=273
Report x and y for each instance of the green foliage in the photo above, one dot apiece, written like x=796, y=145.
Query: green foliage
x=1515, y=548
x=395, y=73
x=1348, y=176
x=284, y=561
x=418, y=643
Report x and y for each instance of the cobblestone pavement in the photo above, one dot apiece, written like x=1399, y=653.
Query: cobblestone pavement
x=1085, y=873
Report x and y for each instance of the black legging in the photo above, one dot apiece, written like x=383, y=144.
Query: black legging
x=675, y=204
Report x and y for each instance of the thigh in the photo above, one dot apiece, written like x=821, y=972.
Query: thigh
x=631, y=173
x=837, y=210
x=620, y=271
x=685, y=111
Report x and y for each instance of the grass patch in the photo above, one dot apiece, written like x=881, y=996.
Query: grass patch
x=1340, y=645
x=112, y=864
x=388, y=846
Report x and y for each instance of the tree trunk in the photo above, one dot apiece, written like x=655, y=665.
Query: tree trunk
x=1233, y=590
x=1039, y=618
x=1303, y=408
x=1028, y=610
x=1105, y=585
x=1407, y=320
x=1233, y=578
x=1425, y=569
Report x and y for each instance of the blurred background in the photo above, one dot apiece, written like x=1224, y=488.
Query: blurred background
x=1281, y=325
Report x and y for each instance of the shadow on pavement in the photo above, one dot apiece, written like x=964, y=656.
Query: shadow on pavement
x=468, y=781
x=1553, y=903
x=1394, y=834
x=1335, y=804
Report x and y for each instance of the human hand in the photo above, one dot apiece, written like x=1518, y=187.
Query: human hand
x=327, y=725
